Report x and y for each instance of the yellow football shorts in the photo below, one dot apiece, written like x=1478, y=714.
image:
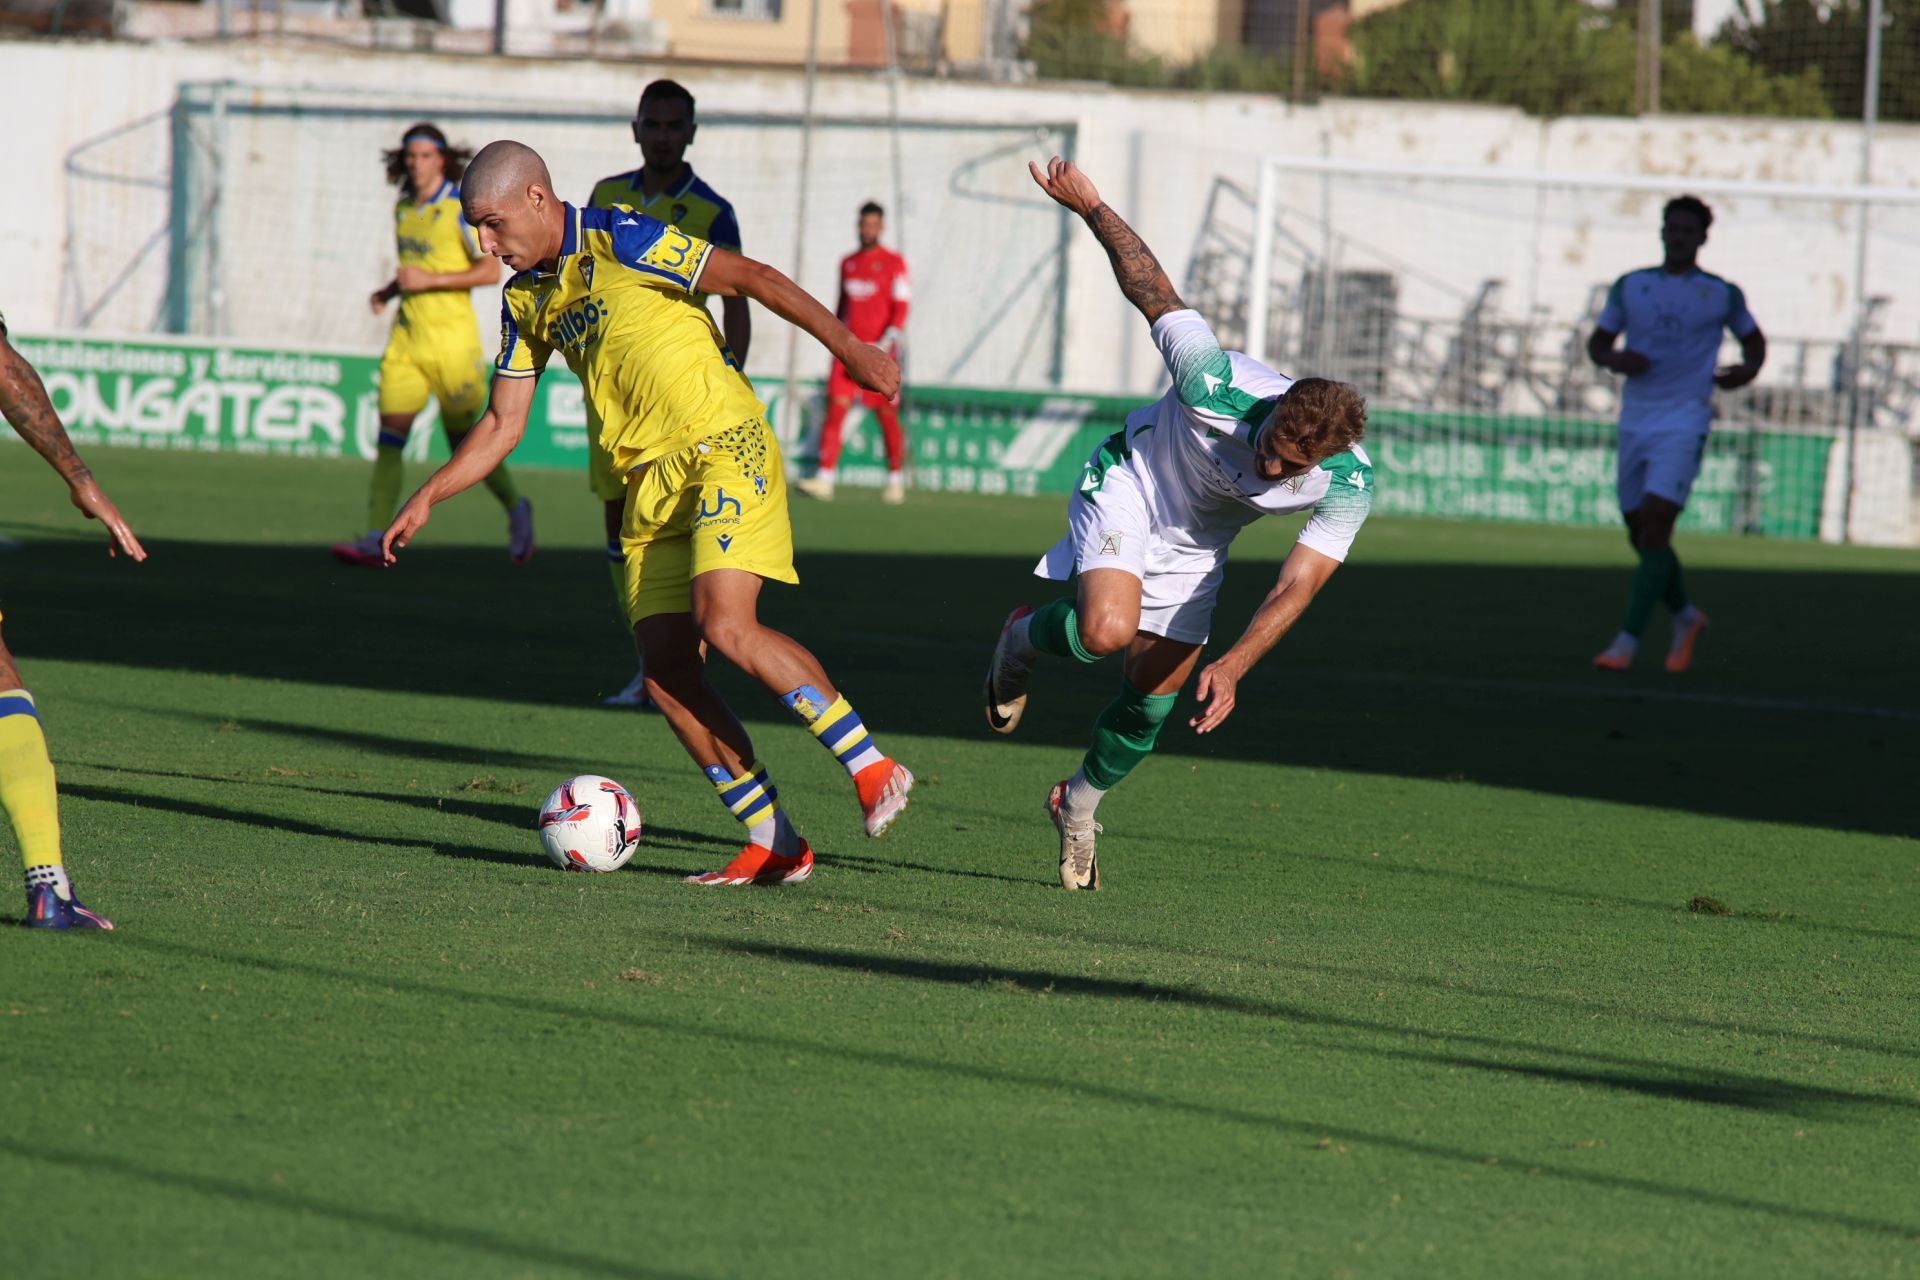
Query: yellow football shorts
x=606, y=483
x=453, y=372
x=720, y=504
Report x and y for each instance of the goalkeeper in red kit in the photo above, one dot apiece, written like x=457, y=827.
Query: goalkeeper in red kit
x=873, y=303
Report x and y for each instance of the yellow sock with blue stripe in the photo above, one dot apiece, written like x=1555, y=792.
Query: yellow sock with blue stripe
x=27, y=787
x=388, y=469
x=837, y=726
x=755, y=801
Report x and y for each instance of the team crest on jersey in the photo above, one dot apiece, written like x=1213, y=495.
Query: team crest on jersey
x=1109, y=543
x=679, y=214
x=760, y=485
x=586, y=271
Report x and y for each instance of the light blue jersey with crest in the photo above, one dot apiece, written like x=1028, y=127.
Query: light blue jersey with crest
x=1675, y=320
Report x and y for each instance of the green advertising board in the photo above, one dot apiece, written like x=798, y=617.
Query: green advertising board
x=159, y=393
x=165, y=394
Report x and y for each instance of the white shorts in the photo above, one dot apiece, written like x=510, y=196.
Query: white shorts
x=1116, y=532
x=1659, y=463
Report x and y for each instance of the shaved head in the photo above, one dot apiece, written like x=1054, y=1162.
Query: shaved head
x=508, y=196
x=504, y=168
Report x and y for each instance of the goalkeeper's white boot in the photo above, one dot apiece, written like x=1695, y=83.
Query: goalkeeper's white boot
x=1079, y=863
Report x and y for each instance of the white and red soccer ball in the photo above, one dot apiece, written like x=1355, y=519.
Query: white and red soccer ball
x=590, y=823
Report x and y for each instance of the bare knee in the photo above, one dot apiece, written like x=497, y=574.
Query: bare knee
x=728, y=634
x=1106, y=632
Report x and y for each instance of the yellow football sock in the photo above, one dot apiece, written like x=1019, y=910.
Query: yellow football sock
x=26, y=781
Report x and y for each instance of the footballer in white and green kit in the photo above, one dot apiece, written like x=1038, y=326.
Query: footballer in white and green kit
x=1158, y=506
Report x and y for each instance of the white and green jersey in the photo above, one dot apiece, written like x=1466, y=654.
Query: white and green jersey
x=1191, y=456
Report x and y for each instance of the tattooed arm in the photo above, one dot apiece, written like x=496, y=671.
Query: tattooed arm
x=25, y=406
x=1139, y=273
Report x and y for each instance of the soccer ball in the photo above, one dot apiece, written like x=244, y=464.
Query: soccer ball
x=590, y=823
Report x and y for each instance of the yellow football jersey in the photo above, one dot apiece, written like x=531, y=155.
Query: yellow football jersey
x=619, y=306
x=435, y=236
x=689, y=204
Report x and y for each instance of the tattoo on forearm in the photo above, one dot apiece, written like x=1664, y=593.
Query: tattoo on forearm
x=1141, y=277
x=24, y=404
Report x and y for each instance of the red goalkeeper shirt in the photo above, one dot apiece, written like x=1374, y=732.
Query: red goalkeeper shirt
x=873, y=292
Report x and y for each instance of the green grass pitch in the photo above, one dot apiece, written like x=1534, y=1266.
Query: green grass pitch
x=1396, y=975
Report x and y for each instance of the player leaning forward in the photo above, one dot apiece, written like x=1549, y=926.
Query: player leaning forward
x=1158, y=506
x=706, y=501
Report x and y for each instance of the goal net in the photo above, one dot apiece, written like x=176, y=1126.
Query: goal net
x=262, y=214
x=1460, y=301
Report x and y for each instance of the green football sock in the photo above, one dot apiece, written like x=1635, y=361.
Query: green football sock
x=1124, y=734
x=1650, y=581
x=500, y=484
x=1055, y=628
x=1676, y=596
x=387, y=466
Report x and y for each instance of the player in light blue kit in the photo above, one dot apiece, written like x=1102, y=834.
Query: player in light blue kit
x=1672, y=315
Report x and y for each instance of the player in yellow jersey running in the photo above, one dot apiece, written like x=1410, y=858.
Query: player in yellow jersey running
x=27, y=791
x=706, y=511
x=663, y=187
x=434, y=350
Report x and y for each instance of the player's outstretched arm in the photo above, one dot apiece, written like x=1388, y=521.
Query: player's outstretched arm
x=1141, y=277
x=25, y=406
x=485, y=447
x=1301, y=577
x=733, y=275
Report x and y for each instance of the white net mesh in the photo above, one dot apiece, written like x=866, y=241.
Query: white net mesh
x=1460, y=302
x=273, y=222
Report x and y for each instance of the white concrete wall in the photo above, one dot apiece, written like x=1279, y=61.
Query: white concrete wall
x=1156, y=156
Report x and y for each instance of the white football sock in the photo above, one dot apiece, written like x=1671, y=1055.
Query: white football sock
x=1081, y=797
x=51, y=875
x=1685, y=618
x=1624, y=645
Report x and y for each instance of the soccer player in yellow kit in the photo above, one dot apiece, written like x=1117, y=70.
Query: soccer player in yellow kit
x=706, y=511
x=434, y=350
x=664, y=187
x=27, y=790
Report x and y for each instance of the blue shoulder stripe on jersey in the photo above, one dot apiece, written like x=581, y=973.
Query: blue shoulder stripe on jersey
x=509, y=331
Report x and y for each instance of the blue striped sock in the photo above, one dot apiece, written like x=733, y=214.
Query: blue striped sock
x=837, y=726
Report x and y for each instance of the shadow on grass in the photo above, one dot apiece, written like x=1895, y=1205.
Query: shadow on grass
x=1081, y=1091
x=1657, y=1079
x=1081, y=937
x=1800, y=710
x=515, y=813
x=488, y=1243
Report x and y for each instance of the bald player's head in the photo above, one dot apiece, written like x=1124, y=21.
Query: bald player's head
x=507, y=194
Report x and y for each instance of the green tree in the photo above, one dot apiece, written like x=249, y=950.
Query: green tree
x=1715, y=80
x=1548, y=57
x=1562, y=57
x=1082, y=40
x=1828, y=38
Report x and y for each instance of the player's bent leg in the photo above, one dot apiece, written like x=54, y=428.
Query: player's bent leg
x=1123, y=736
x=384, y=496
x=30, y=798
x=725, y=612
x=500, y=483
x=714, y=737
x=634, y=695
x=1652, y=523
